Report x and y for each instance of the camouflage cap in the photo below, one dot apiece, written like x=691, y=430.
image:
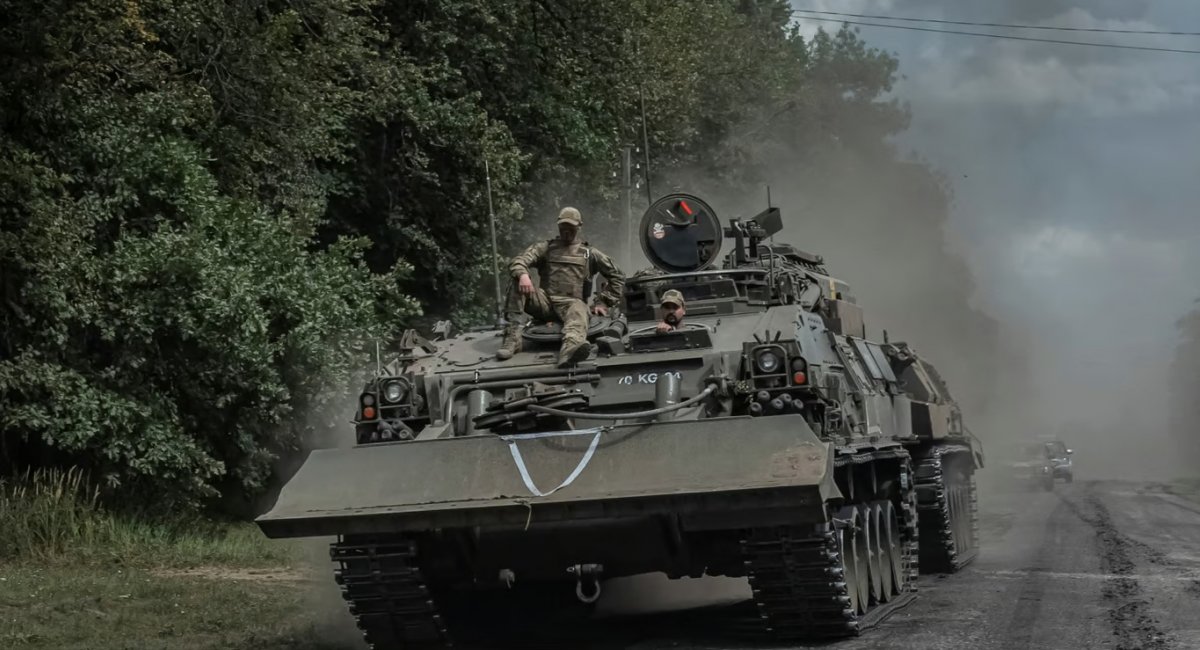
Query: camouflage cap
x=571, y=216
x=672, y=297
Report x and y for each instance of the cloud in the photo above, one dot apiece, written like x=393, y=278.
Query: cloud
x=1055, y=251
x=1035, y=84
x=962, y=72
x=1073, y=171
x=809, y=28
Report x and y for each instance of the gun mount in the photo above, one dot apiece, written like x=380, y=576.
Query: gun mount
x=682, y=238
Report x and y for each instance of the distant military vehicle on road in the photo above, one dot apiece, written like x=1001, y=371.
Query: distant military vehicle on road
x=765, y=438
x=1059, y=458
x=1042, y=462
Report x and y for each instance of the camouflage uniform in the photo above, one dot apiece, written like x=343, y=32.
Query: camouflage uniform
x=564, y=268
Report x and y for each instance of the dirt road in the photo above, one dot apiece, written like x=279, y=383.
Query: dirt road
x=1091, y=565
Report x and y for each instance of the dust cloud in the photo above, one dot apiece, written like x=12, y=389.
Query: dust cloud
x=1044, y=263
x=333, y=626
x=1074, y=210
x=1039, y=253
x=328, y=427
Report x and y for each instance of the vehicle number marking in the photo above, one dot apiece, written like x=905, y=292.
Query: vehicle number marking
x=646, y=378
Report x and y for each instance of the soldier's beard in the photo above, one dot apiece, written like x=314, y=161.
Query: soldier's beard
x=671, y=319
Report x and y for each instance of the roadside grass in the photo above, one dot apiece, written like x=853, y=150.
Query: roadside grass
x=55, y=516
x=90, y=609
x=75, y=575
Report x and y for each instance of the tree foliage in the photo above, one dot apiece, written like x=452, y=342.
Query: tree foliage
x=204, y=204
x=167, y=321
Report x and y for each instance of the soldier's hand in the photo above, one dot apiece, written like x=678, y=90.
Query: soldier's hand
x=525, y=285
x=599, y=309
x=663, y=327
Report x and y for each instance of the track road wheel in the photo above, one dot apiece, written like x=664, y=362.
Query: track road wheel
x=899, y=570
x=848, y=552
x=887, y=581
x=839, y=577
x=853, y=548
x=870, y=514
x=962, y=520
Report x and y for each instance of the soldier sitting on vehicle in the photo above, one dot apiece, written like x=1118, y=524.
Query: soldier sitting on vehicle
x=565, y=266
x=673, y=310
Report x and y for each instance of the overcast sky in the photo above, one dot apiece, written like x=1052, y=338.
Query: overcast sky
x=1077, y=179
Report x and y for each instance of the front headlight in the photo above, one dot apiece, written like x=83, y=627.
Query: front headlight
x=767, y=361
x=394, y=391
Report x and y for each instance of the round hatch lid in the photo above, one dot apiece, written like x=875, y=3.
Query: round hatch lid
x=681, y=233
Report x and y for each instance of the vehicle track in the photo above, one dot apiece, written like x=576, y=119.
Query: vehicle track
x=1193, y=588
x=1032, y=593
x=1129, y=612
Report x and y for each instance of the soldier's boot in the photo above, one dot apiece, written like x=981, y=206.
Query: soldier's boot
x=573, y=352
x=512, y=342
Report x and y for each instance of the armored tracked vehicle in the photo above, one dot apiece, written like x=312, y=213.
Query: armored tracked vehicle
x=765, y=438
x=1060, y=460
x=1042, y=463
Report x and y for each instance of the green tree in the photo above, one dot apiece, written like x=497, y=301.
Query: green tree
x=166, y=319
x=203, y=203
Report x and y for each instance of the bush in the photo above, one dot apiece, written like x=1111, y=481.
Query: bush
x=168, y=319
x=186, y=360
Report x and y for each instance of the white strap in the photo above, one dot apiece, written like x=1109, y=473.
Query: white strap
x=551, y=434
x=587, y=456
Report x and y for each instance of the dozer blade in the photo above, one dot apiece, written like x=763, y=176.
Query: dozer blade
x=708, y=472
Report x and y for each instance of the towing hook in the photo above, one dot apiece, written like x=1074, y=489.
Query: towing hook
x=590, y=572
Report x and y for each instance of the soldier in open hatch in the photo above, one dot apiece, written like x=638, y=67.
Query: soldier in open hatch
x=566, y=266
x=673, y=310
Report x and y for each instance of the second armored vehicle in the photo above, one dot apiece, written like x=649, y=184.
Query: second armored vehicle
x=1041, y=463
x=1060, y=460
x=765, y=438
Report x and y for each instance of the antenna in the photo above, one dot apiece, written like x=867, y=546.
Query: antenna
x=495, y=254
x=771, y=266
x=645, y=142
x=768, y=197
x=645, y=133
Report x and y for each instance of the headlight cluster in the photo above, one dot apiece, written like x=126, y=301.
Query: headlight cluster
x=774, y=369
x=390, y=394
x=387, y=410
x=394, y=391
x=367, y=406
x=767, y=361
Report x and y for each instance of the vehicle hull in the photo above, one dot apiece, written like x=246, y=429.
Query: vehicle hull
x=707, y=474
